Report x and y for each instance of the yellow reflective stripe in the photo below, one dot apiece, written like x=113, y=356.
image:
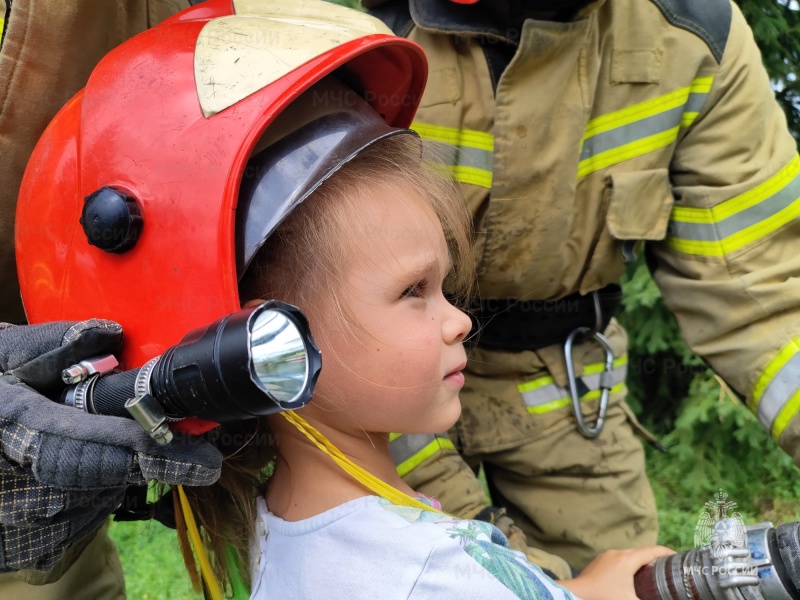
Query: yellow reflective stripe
x=589, y=369
x=648, y=108
x=741, y=202
x=562, y=402
x=394, y=436
x=687, y=119
x=535, y=384
x=470, y=138
x=550, y=406
x=2, y=27
x=627, y=152
x=787, y=413
x=542, y=395
x=771, y=370
x=463, y=174
x=471, y=175
x=702, y=85
x=642, y=128
x=637, y=112
x=776, y=393
x=685, y=214
x=466, y=155
x=704, y=232
x=600, y=367
x=695, y=247
x=426, y=452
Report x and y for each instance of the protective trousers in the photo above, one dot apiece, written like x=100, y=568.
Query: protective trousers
x=97, y=574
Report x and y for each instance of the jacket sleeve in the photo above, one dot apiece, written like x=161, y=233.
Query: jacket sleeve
x=730, y=266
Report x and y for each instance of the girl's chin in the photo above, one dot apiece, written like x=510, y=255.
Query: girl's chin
x=445, y=419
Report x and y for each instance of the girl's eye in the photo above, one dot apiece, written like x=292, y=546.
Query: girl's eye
x=415, y=291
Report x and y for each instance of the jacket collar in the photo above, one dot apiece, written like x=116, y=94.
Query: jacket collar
x=443, y=16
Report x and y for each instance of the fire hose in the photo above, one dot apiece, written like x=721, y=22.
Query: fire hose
x=761, y=564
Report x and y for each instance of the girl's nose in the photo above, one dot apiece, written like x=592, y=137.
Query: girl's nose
x=456, y=325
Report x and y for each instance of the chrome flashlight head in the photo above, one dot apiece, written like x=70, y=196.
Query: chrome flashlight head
x=284, y=360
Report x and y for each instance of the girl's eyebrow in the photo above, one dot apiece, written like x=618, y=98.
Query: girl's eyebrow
x=419, y=271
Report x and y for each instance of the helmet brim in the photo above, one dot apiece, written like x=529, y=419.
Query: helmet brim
x=332, y=126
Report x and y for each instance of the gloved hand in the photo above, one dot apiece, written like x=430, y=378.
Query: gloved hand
x=63, y=471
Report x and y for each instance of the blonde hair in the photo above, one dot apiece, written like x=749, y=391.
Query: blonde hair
x=302, y=261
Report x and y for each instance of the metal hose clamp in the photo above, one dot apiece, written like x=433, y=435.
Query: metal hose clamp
x=79, y=395
x=605, y=381
x=82, y=378
x=146, y=409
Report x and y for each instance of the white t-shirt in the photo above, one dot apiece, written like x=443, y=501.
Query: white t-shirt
x=371, y=549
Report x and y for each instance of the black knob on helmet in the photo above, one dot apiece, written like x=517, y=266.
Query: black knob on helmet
x=111, y=220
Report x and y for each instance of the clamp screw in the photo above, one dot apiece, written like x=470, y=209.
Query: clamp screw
x=74, y=374
x=79, y=372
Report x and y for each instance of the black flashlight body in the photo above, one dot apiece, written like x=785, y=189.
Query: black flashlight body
x=254, y=362
x=110, y=392
x=188, y=378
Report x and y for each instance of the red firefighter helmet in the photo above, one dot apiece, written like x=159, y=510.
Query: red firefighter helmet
x=128, y=207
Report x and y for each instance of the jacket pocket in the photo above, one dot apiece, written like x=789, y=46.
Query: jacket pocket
x=445, y=90
x=444, y=75
x=639, y=205
x=636, y=66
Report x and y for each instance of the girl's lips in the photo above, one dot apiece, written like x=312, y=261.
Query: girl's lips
x=455, y=378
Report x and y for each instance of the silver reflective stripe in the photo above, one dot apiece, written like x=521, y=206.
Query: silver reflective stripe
x=632, y=132
x=461, y=156
x=739, y=221
x=641, y=128
x=544, y=395
x=552, y=392
x=695, y=102
x=782, y=387
x=408, y=444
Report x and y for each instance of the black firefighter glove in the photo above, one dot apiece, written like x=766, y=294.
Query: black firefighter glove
x=63, y=471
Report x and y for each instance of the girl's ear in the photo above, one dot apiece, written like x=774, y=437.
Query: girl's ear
x=254, y=302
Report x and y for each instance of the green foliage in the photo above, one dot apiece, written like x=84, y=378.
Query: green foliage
x=776, y=26
x=713, y=440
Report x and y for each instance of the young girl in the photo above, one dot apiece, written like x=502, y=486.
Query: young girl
x=367, y=257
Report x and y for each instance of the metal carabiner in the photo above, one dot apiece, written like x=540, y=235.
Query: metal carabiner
x=605, y=381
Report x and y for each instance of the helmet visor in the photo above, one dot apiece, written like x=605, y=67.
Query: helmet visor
x=314, y=137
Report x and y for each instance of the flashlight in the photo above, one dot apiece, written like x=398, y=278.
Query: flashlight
x=254, y=362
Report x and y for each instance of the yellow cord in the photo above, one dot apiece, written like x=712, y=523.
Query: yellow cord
x=214, y=589
x=369, y=481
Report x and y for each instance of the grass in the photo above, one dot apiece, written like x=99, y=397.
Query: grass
x=152, y=562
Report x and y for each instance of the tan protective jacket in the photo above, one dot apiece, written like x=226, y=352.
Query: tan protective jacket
x=49, y=48
x=641, y=120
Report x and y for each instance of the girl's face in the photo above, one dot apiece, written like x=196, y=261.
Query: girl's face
x=398, y=368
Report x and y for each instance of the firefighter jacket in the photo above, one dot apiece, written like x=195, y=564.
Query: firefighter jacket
x=49, y=48
x=639, y=121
